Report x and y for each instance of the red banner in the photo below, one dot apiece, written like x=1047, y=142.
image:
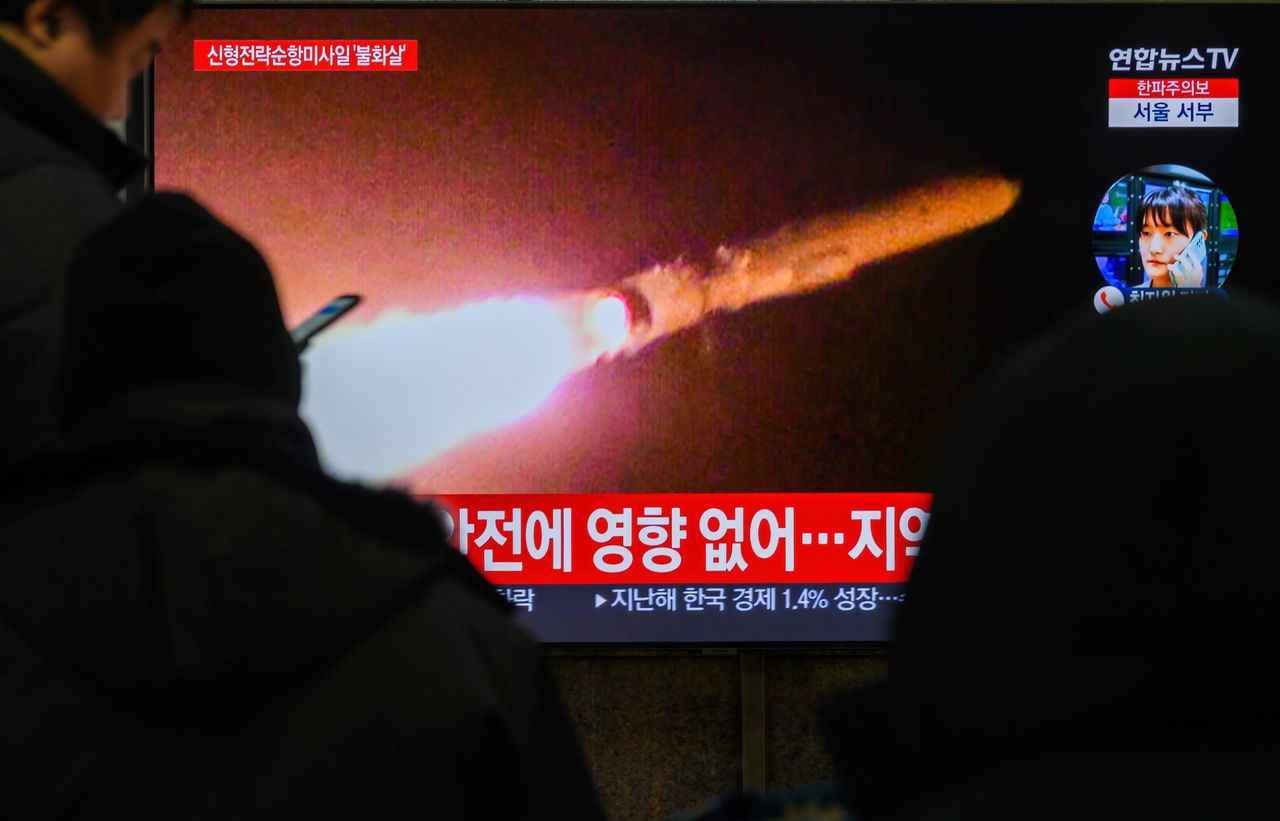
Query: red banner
x=1216, y=88
x=692, y=538
x=306, y=55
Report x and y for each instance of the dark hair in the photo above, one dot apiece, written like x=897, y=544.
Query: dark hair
x=105, y=19
x=1174, y=206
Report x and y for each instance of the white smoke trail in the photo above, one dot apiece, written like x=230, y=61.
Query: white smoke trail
x=390, y=396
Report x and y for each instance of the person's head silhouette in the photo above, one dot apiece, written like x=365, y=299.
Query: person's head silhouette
x=1095, y=582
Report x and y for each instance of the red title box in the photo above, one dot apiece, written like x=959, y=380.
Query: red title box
x=306, y=55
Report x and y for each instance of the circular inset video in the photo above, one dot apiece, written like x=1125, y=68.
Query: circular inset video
x=1165, y=226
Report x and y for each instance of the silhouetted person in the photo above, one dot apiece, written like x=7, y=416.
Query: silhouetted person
x=1089, y=627
x=65, y=69
x=195, y=622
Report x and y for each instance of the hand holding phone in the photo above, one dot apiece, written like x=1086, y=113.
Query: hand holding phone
x=1187, y=270
x=322, y=319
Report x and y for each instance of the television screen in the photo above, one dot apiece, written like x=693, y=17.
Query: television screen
x=671, y=308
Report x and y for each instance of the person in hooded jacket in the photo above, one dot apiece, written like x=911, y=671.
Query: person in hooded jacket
x=196, y=622
x=1088, y=627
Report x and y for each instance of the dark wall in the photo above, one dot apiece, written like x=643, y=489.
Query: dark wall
x=663, y=731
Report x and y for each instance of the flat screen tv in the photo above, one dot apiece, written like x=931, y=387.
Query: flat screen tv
x=671, y=308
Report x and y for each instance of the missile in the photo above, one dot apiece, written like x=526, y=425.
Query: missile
x=798, y=258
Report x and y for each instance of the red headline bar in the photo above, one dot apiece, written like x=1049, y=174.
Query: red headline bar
x=691, y=538
x=306, y=55
x=1215, y=88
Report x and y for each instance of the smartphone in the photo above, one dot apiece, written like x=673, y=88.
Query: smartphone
x=322, y=319
x=1195, y=248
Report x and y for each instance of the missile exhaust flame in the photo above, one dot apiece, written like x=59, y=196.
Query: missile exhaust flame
x=393, y=395
x=610, y=320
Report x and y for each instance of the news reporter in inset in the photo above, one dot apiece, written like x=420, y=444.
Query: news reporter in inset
x=1171, y=219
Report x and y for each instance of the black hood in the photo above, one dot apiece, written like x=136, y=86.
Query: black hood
x=186, y=547
x=166, y=293
x=1099, y=561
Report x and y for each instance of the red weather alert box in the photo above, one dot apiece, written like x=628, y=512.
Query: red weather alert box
x=1174, y=103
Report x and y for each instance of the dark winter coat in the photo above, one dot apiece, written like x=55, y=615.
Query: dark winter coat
x=60, y=171
x=1088, y=628
x=196, y=623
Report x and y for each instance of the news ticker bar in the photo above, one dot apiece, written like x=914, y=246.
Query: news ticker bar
x=710, y=614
